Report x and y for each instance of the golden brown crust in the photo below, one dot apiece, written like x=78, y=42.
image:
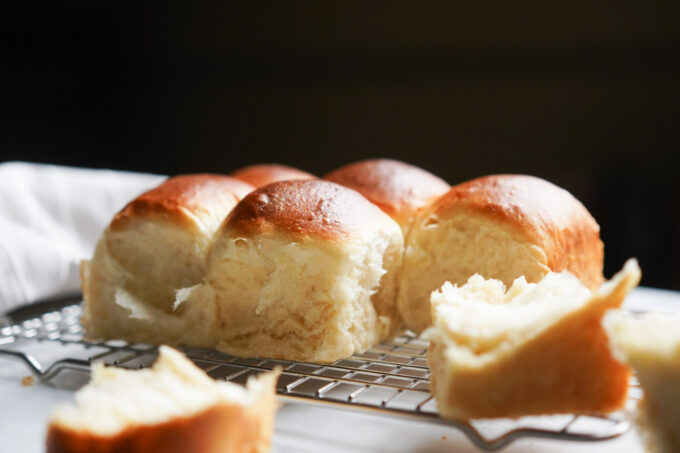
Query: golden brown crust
x=306, y=208
x=263, y=174
x=222, y=428
x=197, y=194
x=398, y=188
x=547, y=215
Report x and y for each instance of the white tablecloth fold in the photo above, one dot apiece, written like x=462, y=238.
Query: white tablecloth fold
x=50, y=219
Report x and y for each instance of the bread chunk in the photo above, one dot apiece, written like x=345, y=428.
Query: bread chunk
x=651, y=345
x=538, y=348
x=173, y=407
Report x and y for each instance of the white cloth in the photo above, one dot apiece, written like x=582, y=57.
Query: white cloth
x=50, y=219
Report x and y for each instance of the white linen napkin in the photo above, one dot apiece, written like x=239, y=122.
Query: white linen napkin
x=50, y=219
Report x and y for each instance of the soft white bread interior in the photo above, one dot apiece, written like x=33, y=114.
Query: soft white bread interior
x=172, y=407
x=262, y=174
x=651, y=345
x=500, y=227
x=400, y=189
x=303, y=270
x=538, y=348
x=156, y=245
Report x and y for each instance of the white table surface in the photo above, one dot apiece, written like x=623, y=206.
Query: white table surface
x=24, y=411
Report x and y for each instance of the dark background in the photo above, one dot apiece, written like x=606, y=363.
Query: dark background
x=584, y=94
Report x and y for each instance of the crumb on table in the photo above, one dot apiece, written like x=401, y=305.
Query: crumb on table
x=27, y=380
x=443, y=437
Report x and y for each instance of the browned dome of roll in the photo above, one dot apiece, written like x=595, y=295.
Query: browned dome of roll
x=262, y=174
x=199, y=194
x=398, y=188
x=308, y=208
x=562, y=226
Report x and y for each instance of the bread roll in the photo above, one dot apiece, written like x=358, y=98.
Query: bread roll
x=263, y=174
x=399, y=189
x=172, y=408
x=538, y=348
x=156, y=245
x=651, y=345
x=500, y=227
x=303, y=270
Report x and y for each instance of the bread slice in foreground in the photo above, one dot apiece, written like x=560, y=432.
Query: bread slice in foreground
x=538, y=348
x=651, y=345
x=172, y=407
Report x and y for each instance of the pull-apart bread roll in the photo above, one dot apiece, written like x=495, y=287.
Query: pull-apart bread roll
x=303, y=270
x=262, y=174
x=173, y=407
x=500, y=227
x=651, y=345
x=538, y=348
x=399, y=189
x=156, y=245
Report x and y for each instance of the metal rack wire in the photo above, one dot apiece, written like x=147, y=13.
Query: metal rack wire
x=391, y=378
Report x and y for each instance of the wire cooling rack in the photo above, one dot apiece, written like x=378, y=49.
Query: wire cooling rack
x=391, y=378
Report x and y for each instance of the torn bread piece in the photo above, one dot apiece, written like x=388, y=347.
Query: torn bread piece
x=172, y=407
x=538, y=348
x=650, y=344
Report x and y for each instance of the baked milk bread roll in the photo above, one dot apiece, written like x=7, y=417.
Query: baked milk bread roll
x=156, y=245
x=262, y=174
x=303, y=270
x=398, y=188
x=501, y=227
